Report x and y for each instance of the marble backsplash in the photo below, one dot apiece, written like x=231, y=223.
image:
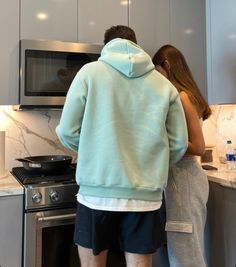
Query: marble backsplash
x=31, y=133
x=220, y=127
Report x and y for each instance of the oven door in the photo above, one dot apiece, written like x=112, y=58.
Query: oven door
x=48, y=239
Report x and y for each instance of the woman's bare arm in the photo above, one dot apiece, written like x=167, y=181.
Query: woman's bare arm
x=196, y=143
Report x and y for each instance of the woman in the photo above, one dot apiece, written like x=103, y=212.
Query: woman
x=187, y=189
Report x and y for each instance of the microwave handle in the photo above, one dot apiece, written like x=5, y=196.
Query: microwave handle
x=57, y=217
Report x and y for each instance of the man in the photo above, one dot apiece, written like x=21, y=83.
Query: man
x=126, y=123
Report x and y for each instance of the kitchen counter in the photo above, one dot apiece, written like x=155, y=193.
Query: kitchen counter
x=222, y=175
x=9, y=186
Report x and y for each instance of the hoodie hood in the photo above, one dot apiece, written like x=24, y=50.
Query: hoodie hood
x=126, y=57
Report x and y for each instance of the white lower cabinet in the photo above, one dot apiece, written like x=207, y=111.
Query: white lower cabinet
x=11, y=221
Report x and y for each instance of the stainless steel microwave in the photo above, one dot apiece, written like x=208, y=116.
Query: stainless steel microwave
x=47, y=69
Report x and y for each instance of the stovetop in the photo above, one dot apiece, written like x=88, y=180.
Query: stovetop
x=27, y=178
x=47, y=191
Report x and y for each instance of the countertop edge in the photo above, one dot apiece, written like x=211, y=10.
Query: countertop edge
x=222, y=176
x=9, y=186
x=222, y=181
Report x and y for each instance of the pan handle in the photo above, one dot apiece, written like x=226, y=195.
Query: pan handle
x=32, y=164
x=24, y=160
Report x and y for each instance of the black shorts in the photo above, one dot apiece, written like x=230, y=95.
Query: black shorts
x=134, y=232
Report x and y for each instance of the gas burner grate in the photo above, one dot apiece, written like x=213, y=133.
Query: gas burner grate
x=26, y=177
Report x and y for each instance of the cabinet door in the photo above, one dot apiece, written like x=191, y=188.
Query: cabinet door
x=9, y=51
x=151, y=21
x=221, y=51
x=11, y=210
x=222, y=225
x=177, y=22
x=229, y=206
x=49, y=19
x=215, y=226
x=94, y=17
x=187, y=30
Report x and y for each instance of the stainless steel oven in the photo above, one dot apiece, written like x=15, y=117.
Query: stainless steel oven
x=48, y=239
x=49, y=215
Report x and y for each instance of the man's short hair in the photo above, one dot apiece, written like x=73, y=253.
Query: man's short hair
x=120, y=31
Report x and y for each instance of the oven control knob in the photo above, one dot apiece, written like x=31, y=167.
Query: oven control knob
x=37, y=197
x=54, y=195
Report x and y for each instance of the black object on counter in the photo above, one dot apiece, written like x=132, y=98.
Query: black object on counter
x=209, y=167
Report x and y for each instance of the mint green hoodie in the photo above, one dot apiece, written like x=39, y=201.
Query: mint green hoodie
x=126, y=122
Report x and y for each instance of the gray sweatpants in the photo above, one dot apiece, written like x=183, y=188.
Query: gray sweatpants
x=186, y=197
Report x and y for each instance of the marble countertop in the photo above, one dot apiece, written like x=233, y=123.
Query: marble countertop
x=222, y=175
x=9, y=186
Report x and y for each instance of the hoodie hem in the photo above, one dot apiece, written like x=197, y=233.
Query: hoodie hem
x=127, y=193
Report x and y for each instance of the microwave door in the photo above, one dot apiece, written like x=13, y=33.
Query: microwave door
x=48, y=68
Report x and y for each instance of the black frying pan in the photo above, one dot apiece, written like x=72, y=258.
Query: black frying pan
x=51, y=164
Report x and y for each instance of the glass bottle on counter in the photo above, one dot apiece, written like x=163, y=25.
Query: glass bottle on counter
x=230, y=157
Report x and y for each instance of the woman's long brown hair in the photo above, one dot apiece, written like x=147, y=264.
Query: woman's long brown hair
x=181, y=76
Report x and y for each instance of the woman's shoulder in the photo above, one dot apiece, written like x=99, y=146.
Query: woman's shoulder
x=184, y=96
x=189, y=104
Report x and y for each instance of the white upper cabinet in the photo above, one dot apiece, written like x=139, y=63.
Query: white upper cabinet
x=49, y=19
x=221, y=51
x=188, y=34
x=203, y=30
x=151, y=21
x=94, y=17
x=177, y=22
x=9, y=51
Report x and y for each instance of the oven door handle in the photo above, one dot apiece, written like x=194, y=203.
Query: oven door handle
x=57, y=217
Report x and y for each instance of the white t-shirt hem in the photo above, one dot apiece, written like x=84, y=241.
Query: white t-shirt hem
x=118, y=204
